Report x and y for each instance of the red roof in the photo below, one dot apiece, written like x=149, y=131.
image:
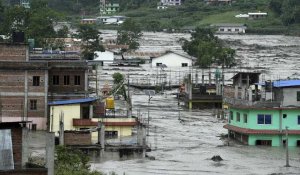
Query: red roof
x=261, y=131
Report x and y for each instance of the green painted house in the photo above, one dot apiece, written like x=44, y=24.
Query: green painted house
x=267, y=119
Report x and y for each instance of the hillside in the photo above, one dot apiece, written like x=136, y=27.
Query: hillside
x=190, y=14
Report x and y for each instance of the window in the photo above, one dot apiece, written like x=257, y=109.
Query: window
x=221, y=29
x=66, y=80
x=55, y=80
x=184, y=64
x=238, y=117
x=231, y=115
x=229, y=30
x=111, y=134
x=237, y=30
x=298, y=95
x=33, y=104
x=35, y=80
x=77, y=80
x=158, y=64
x=264, y=119
x=298, y=119
x=245, y=118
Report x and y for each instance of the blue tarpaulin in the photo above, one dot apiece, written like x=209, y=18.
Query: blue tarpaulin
x=283, y=83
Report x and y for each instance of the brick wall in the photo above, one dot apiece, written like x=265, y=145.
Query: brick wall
x=77, y=138
x=71, y=88
x=12, y=52
x=25, y=172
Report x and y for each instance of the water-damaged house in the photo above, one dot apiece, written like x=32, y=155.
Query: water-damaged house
x=263, y=116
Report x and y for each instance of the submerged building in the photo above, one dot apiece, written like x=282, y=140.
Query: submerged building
x=263, y=113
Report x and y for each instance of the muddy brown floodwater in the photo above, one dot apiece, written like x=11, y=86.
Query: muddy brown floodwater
x=184, y=147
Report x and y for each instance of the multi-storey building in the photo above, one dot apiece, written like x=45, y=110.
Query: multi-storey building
x=264, y=116
x=27, y=85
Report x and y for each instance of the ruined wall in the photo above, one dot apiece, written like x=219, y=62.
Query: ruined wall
x=77, y=138
x=12, y=52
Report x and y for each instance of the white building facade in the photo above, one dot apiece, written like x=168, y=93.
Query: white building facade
x=172, y=60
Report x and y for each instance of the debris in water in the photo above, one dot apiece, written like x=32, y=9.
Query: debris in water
x=217, y=158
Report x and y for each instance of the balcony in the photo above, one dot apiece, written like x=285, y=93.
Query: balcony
x=84, y=122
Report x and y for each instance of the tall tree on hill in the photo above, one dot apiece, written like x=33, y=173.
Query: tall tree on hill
x=208, y=49
x=129, y=34
x=91, y=41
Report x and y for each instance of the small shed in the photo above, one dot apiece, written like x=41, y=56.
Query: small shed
x=172, y=59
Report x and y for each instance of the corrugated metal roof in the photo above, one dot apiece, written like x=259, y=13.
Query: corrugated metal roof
x=73, y=101
x=286, y=83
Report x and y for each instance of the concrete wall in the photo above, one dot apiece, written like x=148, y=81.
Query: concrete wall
x=70, y=111
x=275, y=139
x=290, y=97
x=171, y=60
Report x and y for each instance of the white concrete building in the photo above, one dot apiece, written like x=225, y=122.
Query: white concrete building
x=104, y=58
x=171, y=59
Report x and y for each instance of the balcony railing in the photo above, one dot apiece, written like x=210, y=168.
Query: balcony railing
x=241, y=102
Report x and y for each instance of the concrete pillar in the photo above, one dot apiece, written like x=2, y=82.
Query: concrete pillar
x=209, y=77
x=61, y=129
x=50, y=152
x=243, y=93
x=25, y=153
x=190, y=105
x=91, y=112
x=250, y=94
x=46, y=80
x=27, y=53
x=86, y=82
x=102, y=136
x=25, y=106
x=248, y=81
x=236, y=92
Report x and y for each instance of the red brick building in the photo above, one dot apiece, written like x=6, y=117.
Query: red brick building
x=27, y=85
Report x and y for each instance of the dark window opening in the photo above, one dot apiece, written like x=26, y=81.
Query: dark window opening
x=184, y=64
x=158, y=64
x=229, y=30
x=66, y=80
x=36, y=81
x=33, y=104
x=264, y=142
x=298, y=95
x=231, y=115
x=298, y=142
x=85, y=112
x=238, y=117
x=245, y=118
x=111, y=134
x=284, y=115
x=237, y=30
x=222, y=30
x=284, y=143
x=298, y=119
x=55, y=80
x=77, y=80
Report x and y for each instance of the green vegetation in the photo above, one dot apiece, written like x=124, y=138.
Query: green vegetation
x=208, y=49
x=72, y=162
x=90, y=37
x=129, y=34
x=119, y=85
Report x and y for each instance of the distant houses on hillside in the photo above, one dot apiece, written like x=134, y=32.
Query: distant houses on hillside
x=163, y=4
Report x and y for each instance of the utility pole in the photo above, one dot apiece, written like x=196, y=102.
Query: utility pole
x=287, y=147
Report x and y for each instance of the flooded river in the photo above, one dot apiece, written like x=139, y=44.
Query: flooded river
x=185, y=146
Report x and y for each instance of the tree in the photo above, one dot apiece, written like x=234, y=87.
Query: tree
x=208, y=49
x=275, y=6
x=118, y=77
x=129, y=34
x=91, y=41
x=63, y=32
x=72, y=162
